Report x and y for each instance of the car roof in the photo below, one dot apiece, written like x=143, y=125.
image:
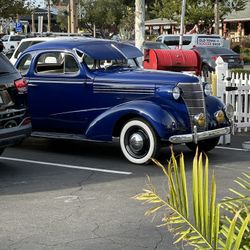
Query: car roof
x=98, y=49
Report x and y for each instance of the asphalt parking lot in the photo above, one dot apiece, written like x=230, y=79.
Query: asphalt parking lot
x=72, y=195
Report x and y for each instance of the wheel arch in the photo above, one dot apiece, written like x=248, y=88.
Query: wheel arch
x=123, y=120
x=110, y=123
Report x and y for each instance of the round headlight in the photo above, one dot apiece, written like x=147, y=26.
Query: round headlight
x=207, y=89
x=176, y=93
x=229, y=110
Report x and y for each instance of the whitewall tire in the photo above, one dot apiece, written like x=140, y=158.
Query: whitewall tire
x=138, y=141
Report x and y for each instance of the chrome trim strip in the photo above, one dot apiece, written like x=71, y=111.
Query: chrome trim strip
x=199, y=136
x=79, y=111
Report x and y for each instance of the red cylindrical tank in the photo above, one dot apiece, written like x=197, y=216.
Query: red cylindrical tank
x=173, y=60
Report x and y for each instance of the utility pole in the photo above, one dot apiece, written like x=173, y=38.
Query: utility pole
x=216, y=17
x=139, y=24
x=69, y=18
x=74, y=16
x=49, y=20
x=33, y=29
x=183, y=12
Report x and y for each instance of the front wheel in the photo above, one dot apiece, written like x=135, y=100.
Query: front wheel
x=205, y=145
x=138, y=141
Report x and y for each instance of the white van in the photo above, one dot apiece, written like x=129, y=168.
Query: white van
x=10, y=42
x=25, y=43
x=193, y=40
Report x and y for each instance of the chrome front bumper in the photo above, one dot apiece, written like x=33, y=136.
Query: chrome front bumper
x=199, y=136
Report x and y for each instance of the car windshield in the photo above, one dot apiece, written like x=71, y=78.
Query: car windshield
x=97, y=65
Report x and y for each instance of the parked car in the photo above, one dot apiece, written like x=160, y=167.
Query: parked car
x=210, y=54
x=192, y=40
x=15, y=123
x=10, y=42
x=91, y=89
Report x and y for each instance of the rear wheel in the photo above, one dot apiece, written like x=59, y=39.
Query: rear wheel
x=205, y=145
x=138, y=141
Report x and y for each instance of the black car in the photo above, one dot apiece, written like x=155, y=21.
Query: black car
x=15, y=123
x=210, y=54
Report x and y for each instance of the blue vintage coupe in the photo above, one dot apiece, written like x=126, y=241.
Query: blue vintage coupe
x=90, y=89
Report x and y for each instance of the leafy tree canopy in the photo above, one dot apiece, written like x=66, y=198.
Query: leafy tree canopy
x=104, y=14
x=196, y=10
x=13, y=8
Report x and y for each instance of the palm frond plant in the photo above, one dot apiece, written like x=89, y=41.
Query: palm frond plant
x=201, y=223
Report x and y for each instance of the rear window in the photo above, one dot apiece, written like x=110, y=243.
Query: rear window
x=209, y=41
x=175, y=40
x=5, y=65
x=221, y=50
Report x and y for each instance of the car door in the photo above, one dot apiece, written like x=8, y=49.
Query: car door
x=57, y=93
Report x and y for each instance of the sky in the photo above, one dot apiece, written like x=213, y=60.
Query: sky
x=38, y=3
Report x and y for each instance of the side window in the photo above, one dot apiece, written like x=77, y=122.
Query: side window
x=56, y=63
x=24, y=64
x=187, y=40
x=90, y=62
x=171, y=40
x=159, y=39
x=50, y=62
x=71, y=66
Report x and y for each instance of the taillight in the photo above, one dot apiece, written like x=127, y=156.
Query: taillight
x=21, y=86
x=214, y=58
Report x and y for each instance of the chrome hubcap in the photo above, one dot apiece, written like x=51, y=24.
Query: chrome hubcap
x=136, y=142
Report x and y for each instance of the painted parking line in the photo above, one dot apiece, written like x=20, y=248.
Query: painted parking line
x=235, y=149
x=67, y=166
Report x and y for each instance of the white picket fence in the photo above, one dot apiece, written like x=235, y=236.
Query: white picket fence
x=239, y=97
x=234, y=88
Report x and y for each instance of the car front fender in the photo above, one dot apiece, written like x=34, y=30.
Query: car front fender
x=104, y=126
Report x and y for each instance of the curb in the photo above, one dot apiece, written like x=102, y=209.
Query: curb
x=246, y=145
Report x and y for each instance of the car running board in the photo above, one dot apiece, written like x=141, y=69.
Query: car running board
x=63, y=136
x=55, y=135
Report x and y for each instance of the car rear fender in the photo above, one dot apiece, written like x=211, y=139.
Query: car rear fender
x=109, y=124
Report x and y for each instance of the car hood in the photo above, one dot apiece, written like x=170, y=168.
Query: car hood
x=141, y=76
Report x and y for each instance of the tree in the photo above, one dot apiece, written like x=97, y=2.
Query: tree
x=106, y=15
x=13, y=8
x=171, y=9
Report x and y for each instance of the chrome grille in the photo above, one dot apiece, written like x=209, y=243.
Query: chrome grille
x=192, y=94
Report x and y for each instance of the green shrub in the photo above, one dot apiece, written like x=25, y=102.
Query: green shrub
x=243, y=71
x=203, y=226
